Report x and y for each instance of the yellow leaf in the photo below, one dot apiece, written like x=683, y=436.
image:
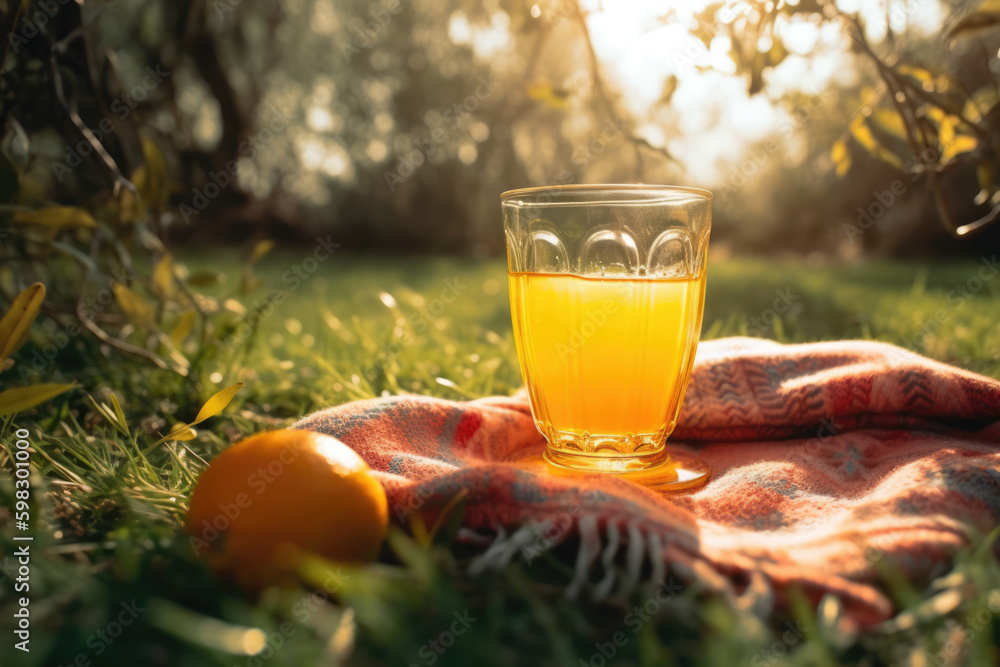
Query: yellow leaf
x=934, y=113
x=869, y=96
x=963, y=143
x=980, y=103
x=927, y=79
x=924, y=76
x=261, y=249
x=163, y=277
x=185, y=434
x=56, y=216
x=544, y=92
x=217, y=403
x=862, y=133
x=890, y=122
x=20, y=399
x=887, y=156
x=130, y=208
x=133, y=207
x=841, y=157
x=154, y=190
x=136, y=309
x=182, y=328
x=181, y=432
x=946, y=129
x=17, y=321
x=985, y=174
x=249, y=282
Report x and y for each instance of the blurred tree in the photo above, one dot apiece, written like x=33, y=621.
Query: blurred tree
x=129, y=125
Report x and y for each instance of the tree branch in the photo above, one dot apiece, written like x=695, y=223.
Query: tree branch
x=975, y=226
x=71, y=111
x=602, y=95
x=899, y=84
x=103, y=335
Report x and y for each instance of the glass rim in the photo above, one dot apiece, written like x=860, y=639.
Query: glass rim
x=598, y=187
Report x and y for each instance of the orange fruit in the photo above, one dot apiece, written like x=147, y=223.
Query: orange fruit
x=268, y=499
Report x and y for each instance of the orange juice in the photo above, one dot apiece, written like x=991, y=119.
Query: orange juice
x=606, y=359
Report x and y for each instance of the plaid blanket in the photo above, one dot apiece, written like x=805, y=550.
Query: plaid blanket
x=829, y=460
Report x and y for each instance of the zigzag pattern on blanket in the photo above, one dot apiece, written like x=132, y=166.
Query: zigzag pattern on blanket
x=826, y=458
x=745, y=388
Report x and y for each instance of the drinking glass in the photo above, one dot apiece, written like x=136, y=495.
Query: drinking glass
x=607, y=289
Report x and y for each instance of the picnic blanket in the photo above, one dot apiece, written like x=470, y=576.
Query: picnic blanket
x=828, y=459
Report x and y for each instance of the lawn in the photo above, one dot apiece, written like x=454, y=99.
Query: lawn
x=114, y=581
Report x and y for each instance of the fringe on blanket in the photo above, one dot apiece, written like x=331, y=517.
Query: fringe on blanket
x=624, y=552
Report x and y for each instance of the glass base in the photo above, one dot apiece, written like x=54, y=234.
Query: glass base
x=676, y=471
x=616, y=453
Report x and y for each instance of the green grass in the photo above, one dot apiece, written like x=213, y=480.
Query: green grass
x=107, y=518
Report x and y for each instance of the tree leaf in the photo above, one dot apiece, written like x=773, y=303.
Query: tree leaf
x=980, y=103
x=217, y=403
x=180, y=431
x=947, y=130
x=17, y=321
x=890, y=122
x=163, y=277
x=984, y=176
x=862, y=133
x=130, y=206
x=841, y=156
x=542, y=91
x=182, y=328
x=249, y=282
x=259, y=250
x=921, y=75
x=56, y=216
x=20, y=399
x=962, y=143
x=887, y=156
x=151, y=178
x=136, y=309
x=935, y=113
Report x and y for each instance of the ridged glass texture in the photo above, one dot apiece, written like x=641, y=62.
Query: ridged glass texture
x=607, y=287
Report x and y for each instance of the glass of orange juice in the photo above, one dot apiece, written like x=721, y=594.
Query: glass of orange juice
x=607, y=289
